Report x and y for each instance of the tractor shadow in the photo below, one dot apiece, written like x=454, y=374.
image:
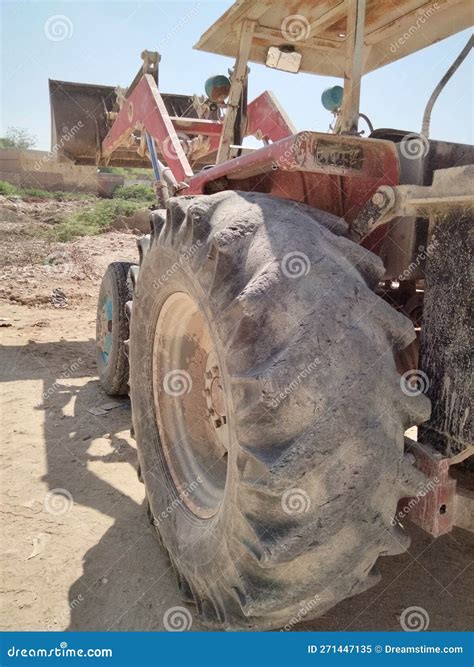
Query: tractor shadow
x=127, y=582
x=433, y=574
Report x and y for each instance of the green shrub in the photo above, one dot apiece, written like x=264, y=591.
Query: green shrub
x=130, y=172
x=135, y=193
x=11, y=190
x=58, y=195
x=7, y=189
x=35, y=192
x=92, y=221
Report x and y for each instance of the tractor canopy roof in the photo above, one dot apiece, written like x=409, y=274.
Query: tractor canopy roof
x=313, y=33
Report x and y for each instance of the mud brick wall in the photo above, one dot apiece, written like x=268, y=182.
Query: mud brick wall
x=40, y=169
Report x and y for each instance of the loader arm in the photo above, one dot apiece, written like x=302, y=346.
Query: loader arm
x=110, y=128
x=145, y=110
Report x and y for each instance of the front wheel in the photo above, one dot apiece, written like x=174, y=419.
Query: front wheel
x=112, y=328
x=267, y=409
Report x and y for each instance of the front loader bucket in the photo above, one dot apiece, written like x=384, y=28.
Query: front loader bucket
x=79, y=122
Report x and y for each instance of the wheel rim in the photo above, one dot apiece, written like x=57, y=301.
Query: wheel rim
x=105, y=334
x=190, y=405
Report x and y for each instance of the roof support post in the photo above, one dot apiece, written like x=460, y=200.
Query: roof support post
x=239, y=76
x=354, y=61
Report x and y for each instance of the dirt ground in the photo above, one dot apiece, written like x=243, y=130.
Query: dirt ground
x=77, y=550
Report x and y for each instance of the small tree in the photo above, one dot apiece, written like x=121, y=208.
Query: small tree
x=18, y=137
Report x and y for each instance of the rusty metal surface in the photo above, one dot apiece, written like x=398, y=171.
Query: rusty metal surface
x=318, y=30
x=332, y=173
x=312, y=152
x=446, y=337
x=433, y=509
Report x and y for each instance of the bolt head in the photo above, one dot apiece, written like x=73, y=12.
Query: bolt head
x=379, y=199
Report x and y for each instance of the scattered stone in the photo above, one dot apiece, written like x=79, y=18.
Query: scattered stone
x=111, y=405
x=58, y=298
x=97, y=411
x=39, y=542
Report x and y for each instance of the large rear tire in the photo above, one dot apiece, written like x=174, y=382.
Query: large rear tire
x=267, y=408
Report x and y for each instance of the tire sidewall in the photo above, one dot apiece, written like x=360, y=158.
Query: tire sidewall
x=196, y=542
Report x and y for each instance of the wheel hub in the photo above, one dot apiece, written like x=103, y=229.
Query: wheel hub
x=190, y=405
x=105, y=329
x=214, y=394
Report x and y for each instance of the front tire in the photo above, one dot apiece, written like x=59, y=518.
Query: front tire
x=284, y=512
x=112, y=329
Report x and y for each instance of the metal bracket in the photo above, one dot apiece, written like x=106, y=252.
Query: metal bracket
x=434, y=509
x=238, y=81
x=151, y=60
x=373, y=214
x=451, y=187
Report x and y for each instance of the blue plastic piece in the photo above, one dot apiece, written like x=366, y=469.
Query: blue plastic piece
x=332, y=98
x=153, y=156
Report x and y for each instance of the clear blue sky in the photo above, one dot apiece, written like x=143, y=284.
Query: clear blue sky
x=105, y=38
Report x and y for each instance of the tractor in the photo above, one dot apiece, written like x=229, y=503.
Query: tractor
x=294, y=312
